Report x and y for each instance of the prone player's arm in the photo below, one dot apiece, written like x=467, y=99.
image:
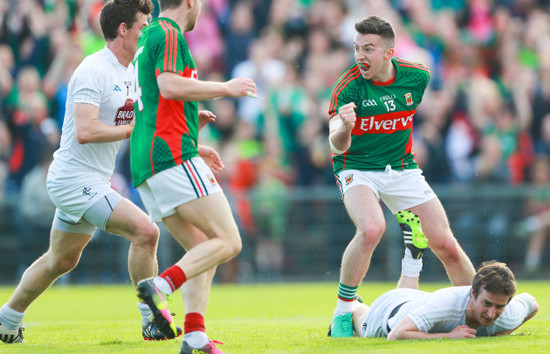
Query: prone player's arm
x=340, y=127
x=88, y=128
x=534, y=309
x=406, y=329
x=175, y=87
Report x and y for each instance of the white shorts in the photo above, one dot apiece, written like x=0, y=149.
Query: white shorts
x=400, y=190
x=74, y=193
x=96, y=216
x=375, y=323
x=168, y=189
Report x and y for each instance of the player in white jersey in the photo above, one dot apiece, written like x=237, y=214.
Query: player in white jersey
x=99, y=116
x=487, y=308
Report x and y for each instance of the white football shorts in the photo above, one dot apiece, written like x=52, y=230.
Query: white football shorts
x=399, y=189
x=168, y=189
x=84, y=201
x=375, y=322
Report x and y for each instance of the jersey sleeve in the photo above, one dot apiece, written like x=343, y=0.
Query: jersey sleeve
x=341, y=92
x=513, y=315
x=167, y=55
x=89, y=85
x=424, y=81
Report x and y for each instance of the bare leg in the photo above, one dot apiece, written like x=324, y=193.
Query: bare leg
x=534, y=250
x=407, y=282
x=359, y=312
x=212, y=216
x=195, y=291
x=364, y=209
x=62, y=256
x=131, y=222
x=441, y=240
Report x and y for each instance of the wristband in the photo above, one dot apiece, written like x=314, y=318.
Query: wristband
x=334, y=148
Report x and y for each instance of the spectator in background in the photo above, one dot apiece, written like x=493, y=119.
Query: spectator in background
x=5, y=151
x=36, y=210
x=28, y=107
x=542, y=145
x=239, y=35
x=537, y=225
x=7, y=70
x=91, y=38
x=265, y=69
x=206, y=41
x=55, y=84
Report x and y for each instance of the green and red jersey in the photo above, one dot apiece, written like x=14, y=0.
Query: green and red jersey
x=385, y=110
x=166, y=131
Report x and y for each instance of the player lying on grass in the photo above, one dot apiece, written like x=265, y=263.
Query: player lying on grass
x=486, y=308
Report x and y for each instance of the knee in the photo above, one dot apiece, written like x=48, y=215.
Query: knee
x=370, y=235
x=235, y=246
x=447, y=249
x=62, y=265
x=147, y=236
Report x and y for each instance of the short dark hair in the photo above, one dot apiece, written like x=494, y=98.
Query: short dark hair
x=115, y=12
x=496, y=278
x=377, y=25
x=166, y=4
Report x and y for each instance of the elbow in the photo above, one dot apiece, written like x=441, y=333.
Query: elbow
x=392, y=335
x=83, y=137
x=535, y=309
x=167, y=92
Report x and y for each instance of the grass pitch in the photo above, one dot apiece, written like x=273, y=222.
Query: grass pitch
x=264, y=318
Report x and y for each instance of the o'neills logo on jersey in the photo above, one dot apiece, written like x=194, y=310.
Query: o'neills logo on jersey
x=384, y=123
x=125, y=114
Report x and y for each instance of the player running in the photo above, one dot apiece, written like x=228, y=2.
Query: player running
x=99, y=116
x=174, y=175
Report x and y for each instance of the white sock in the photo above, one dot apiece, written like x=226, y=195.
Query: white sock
x=342, y=307
x=145, y=312
x=10, y=318
x=410, y=267
x=196, y=339
x=163, y=285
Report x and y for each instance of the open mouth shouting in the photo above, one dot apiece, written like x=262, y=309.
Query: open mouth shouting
x=364, y=67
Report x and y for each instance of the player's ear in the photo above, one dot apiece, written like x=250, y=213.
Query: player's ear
x=389, y=53
x=122, y=29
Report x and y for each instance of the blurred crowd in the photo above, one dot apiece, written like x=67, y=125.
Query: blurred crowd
x=484, y=118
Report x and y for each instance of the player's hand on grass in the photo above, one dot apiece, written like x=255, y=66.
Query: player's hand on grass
x=462, y=331
x=241, y=87
x=211, y=158
x=347, y=115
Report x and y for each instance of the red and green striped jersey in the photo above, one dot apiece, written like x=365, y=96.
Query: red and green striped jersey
x=383, y=130
x=166, y=131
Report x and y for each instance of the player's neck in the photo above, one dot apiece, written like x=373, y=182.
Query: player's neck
x=386, y=74
x=177, y=16
x=123, y=55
